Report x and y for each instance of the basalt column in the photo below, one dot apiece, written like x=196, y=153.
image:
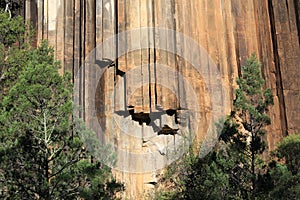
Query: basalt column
x=133, y=87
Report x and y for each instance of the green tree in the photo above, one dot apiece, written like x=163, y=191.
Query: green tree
x=234, y=169
x=284, y=184
x=289, y=149
x=283, y=174
x=41, y=156
x=14, y=49
x=12, y=30
x=243, y=131
x=41, y=153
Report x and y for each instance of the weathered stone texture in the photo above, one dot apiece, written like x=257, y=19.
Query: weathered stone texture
x=229, y=30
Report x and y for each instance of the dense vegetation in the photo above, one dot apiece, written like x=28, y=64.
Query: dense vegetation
x=41, y=153
x=235, y=168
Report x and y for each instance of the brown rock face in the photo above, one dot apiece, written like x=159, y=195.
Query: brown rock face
x=143, y=87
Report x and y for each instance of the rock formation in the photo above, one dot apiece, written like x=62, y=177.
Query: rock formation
x=228, y=30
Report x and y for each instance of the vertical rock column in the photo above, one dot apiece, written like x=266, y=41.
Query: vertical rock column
x=229, y=30
x=285, y=27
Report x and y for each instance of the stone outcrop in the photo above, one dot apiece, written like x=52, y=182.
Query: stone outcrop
x=229, y=31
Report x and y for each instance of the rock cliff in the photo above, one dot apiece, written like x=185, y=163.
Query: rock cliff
x=140, y=85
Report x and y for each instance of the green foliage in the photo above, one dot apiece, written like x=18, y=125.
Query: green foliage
x=14, y=49
x=285, y=185
x=201, y=178
x=289, y=149
x=13, y=60
x=234, y=170
x=206, y=180
x=104, y=153
x=243, y=130
x=282, y=179
x=252, y=100
x=250, y=110
x=12, y=30
x=41, y=153
x=283, y=176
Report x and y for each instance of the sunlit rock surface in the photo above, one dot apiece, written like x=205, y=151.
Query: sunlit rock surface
x=228, y=30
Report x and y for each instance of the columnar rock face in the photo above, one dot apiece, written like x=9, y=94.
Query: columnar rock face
x=228, y=30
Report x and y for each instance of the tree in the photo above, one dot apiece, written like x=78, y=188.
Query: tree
x=289, y=149
x=248, y=119
x=233, y=170
x=284, y=173
x=41, y=153
x=14, y=49
x=12, y=30
x=41, y=158
x=197, y=178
